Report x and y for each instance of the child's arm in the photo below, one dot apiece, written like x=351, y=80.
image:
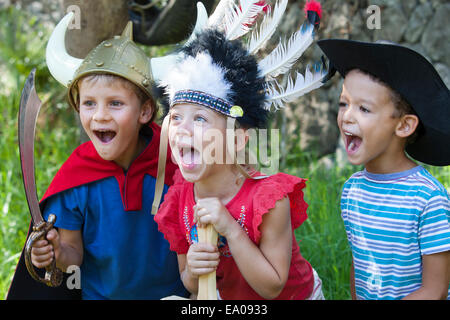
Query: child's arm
x=435, y=277
x=65, y=245
x=265, y=268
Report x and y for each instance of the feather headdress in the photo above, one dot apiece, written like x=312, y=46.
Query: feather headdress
x=216, y=70
x=234, y=19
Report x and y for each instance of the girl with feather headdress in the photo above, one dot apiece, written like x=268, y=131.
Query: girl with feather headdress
x=217, y=85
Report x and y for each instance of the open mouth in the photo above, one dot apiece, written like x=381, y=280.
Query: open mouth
x=352, y=142
x=189, y=157
x=105, y=136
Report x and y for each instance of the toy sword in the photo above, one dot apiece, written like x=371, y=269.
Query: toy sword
x=28, y=113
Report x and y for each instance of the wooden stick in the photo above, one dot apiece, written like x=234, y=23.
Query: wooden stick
x=207, y=282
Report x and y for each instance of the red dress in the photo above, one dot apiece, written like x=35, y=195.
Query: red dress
x=254, y=199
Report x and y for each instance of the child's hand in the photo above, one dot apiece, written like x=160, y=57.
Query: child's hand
x=202, y=259
x=43, y=251
x=211, y=210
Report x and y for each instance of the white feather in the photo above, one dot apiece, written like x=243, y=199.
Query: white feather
x=198, y=73
x=277, y=96
x=267, y=27
x=238, y=21
x=216, y=19
x=283, y=57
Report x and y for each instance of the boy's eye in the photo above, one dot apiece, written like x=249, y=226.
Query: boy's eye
x=364, y=109
x=88, y=103
x=116, y=103
x=175, y=117
x=342, y=104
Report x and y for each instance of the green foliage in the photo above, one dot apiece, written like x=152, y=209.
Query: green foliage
x=322, y=236
x=22, y=44
x=22, y=47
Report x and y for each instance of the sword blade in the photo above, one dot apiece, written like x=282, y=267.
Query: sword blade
x=28, y=113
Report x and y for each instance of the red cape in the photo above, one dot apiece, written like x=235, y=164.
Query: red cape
x=85, y=165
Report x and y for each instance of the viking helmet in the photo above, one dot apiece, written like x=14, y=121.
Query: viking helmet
x=117, y=56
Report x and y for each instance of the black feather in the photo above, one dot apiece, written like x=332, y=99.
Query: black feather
x=241, y=71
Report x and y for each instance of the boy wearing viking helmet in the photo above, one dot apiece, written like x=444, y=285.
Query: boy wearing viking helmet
x=104, y=223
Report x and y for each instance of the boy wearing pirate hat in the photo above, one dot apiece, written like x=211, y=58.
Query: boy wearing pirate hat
x=396, y=214
x=104, y=222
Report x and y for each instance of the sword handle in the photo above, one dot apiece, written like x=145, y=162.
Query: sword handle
x=53, y=275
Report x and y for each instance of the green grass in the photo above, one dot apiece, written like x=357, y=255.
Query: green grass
x=22, y=48
x=322, y=236
x=52, y=145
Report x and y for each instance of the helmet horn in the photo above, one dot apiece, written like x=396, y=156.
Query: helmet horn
x=62, y=66
x=160, y=65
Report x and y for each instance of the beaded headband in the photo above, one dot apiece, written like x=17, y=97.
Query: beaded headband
x=207, y=100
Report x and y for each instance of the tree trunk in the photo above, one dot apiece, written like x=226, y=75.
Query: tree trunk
x=99, y=20
x=173, y=23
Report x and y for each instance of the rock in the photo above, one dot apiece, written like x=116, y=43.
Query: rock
x=409, y=6
x=5, y=3
x=313, y=123
x=418, y=22
x=435, y=38
x=393, y=24
x=341, y=154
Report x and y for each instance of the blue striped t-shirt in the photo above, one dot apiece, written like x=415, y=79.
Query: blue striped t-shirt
x=392, y=220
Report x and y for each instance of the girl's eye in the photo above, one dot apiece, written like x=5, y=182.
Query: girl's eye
x=364, y=109
x=342, y=104
x=175, y=117
x=199, y=119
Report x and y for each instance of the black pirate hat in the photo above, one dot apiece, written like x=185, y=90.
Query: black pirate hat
x=411, y=76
